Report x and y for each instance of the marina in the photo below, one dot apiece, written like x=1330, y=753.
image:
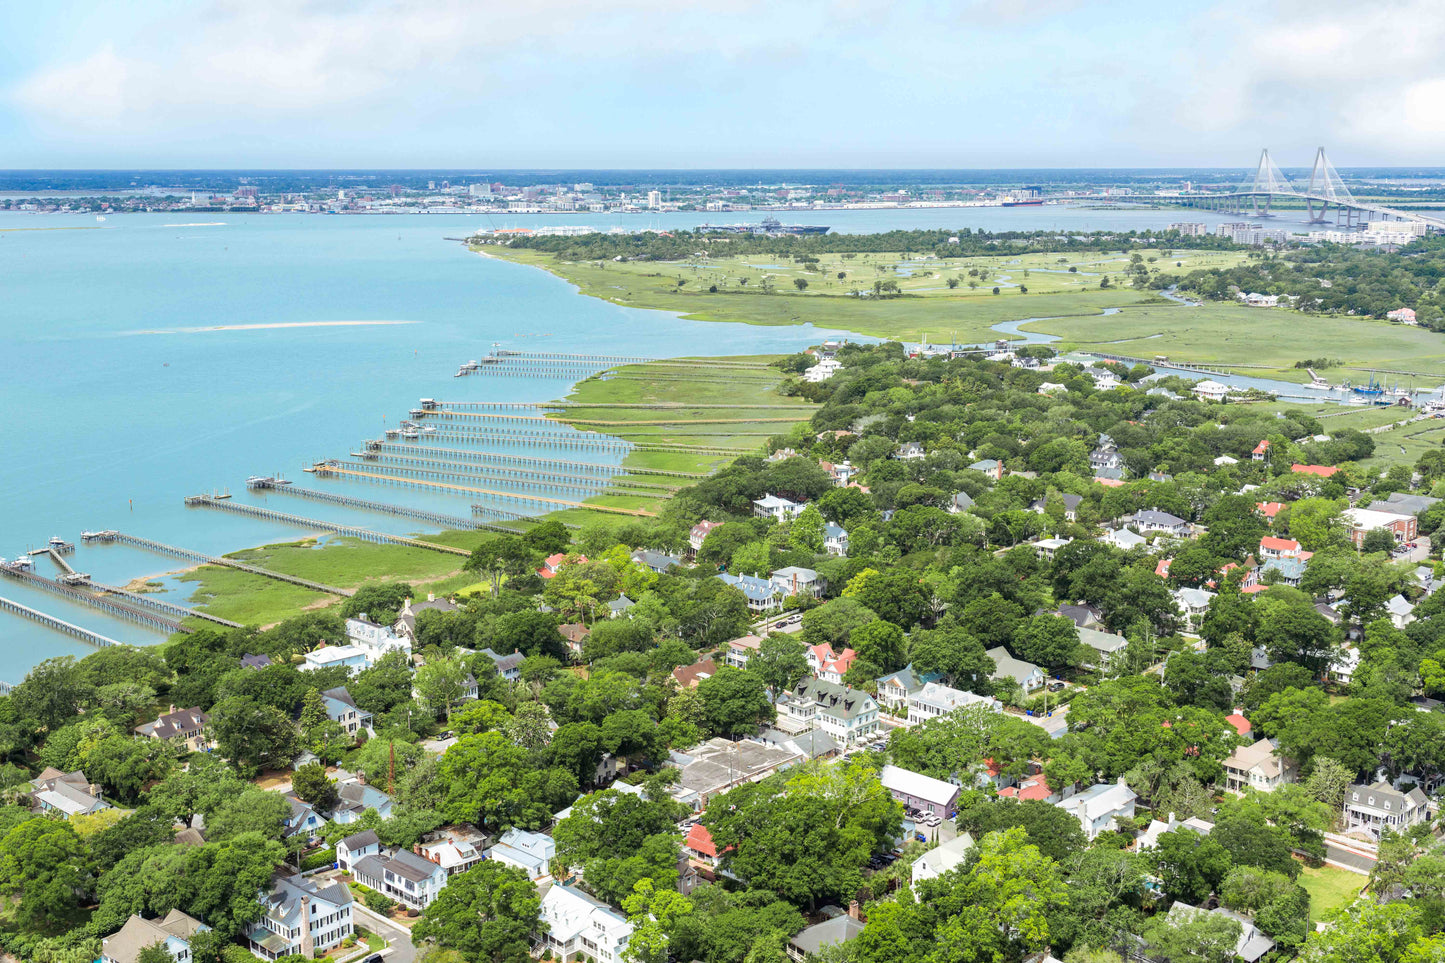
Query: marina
x=55, y=624
x=365, y=534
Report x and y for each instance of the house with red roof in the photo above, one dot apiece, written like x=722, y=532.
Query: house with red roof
x=1034, y=787
x=700, y=850
x=1272, y=547
x=827, y=665
x=1269, y=510
x=698, y=534
x=688, y=676
x=552, y=563
x=1261, y=451
x=1322, y=471
x=1240, y=723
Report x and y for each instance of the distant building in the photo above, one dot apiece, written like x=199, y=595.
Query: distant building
x=1258, y=767
x=941, y=859
x=698, y=534
x=1362, y=521
x=530, y=852
x=1026, y=674
x=1373, y=809
x=178, y=726
x=776, y=508
x=936, y=699
x=1209, y=390
x=918, y=792
x=407, y=877
x=353, y=658
x=743, y=649
x=1097, y=807
x=810, y=942
x=895, y=688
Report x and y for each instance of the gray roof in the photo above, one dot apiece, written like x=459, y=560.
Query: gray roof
x=1006, y=665
x=403, y=863
x=843, y=702
x=1404, y=503
x=1151, y=516
x=360, y=840
x=359, y=796
x=840, y=929
x=174, y=723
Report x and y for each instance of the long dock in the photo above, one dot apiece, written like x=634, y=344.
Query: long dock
x=570, y=405
x=169, y=608
x=365, y=534
x=463, y=473
x=107, y=605
x=325, y=469
x=541, y=479
x=472, y=454
x=60, y=561
x=60, y=625
x=162, y=548
x=403, y=511
x=459, y=433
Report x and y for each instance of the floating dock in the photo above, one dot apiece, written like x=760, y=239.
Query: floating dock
x=162, y=548
x=365, y=534
x=59, y=625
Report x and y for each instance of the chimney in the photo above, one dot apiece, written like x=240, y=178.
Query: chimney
x=853, y=910
x=172, y=708
x=431, y=597
x=308, y=944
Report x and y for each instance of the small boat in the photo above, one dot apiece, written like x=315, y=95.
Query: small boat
x=25, y=563
x=100, y=217
x=56, y=541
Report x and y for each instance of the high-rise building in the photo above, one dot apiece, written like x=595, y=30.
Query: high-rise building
x=654, y=199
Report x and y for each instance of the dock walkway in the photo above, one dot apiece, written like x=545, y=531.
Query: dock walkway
x=60, y=625
x=333, y=468
x=162, y=548
x=109, y=606
x=365, y=534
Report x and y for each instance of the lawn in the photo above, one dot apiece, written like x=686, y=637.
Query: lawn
x=1330, y=888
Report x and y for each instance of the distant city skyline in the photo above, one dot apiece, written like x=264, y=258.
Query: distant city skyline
x=737, y=83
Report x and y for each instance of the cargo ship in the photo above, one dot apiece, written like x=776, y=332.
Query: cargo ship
x=768, y=225
x=1030, y=202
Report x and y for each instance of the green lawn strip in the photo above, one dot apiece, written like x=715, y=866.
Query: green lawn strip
x=1330, y=888
x=246, y=598
x=348, y=562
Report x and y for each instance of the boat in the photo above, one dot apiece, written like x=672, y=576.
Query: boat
x=25, y=563
x=1031, y=202
x=1317, y=382
x=56, y=541
x=1372, y=388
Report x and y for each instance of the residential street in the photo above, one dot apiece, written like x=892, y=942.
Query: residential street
x=401, y=949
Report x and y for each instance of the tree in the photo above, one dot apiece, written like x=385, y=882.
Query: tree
x=1193, y=938
x=1189, y=866
x=53, y=693
x=1052, y=641
x=880, y=643
x=801, y=284
x=310, y=784
x=1194, y=679
x=548, y=538
x=780, y=662
x=653, y=913
x=500, y=557
x=953, y=652
x=440, y=683
x=491, y=781
x=43, y=864
x=488, y=914
x=1366, y=932
x=529, y=632
x=254, y=736
x=1328, y=781
x=379, y=603
x=734, y=701
x=1279, y=906
x=834, y=621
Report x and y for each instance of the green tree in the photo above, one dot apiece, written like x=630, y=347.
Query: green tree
x=311, y=784
x=254, y=736
x=492, y=782
x=488, y=914
x=440, y=684
x=880, y=643
x=780, y=662
x=734, y=701
x=1189, y=866
x=43, y=865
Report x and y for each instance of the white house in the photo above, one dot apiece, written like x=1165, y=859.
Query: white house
x=1373, y=809
x=910, y=451
x=1098, y=806
x=823, y=370
x=377, y=640
x=578, y=925
x=1259, y=767
x=849, y=715
x=342, y=709
x=1153, y=520
x=1105, y=646
x=1123, y=539
x=300, y=917
x=356, y=846
x=895, y=688
x=1250, y=946
x=941, y=858
x=530, y=852
x=835, y=539
x=404, y=876
x=758, y=591
x=355, y=797
x=795, y=580
x=174, y=932
x=1194, y=604
x=67, y=793
x=1149, y=838
x=743, y=649
x=353, y=657
x=774, y=507
x=452, y=854
x=936, y=699
x=1208, y=390
x=1026, y=674
x=303, y=819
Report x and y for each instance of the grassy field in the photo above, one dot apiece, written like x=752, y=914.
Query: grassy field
x=962, y=314
x=1329, y=889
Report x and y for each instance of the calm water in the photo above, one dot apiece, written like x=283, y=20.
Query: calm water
x=116, y=407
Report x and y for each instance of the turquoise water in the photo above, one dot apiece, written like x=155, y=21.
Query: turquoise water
x=118, y=401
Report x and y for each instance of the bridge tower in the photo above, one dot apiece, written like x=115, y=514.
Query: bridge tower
x=1326, y=188
x=1266, y=182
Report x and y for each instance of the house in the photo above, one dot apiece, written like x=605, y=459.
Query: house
x=179, y=727
x=1240, y=723
x=1149, y=839
x=698, y=534
x=1151, y=520
x=848, y=715
x=822, y=371
x=778, y=509
x=1373, y=809
x=351, y=657
x=579, y=926
x=743, y=649
x=782, y=454
x=406, y=618
x=1257, y=767
x=1261, y=451
x=1209, y=390
x=841, y=474
x=699, y=847
x=835, y=539
x=991, y=467
x=1362, y=521
x=355, y=797
x=758, y=591
x=576, y=635
x=1031, y=788
x=530, y=852
x=1123, y=539
x=1404, y=504
x=303, y=820
x=552, y=564
x=255, y=661
x=354, y=847
x=174, y=932
x=810, y=942
x=1193, y=605
x=67, y=793
x=1051, y=388
x=910, y=451
x=941, y=859
x=1083, y=616
x=895, y=688
x=1070, y=502
x=1106, y=458
x=509, y=667
x=1290, y=568
x=1097, y=807
x=795, y=580
x=1047, y=547
x=828, y=665
x=688, y=676
x=936, y=699
x=1105, y=647
x=717, y=765
x=376, y=639
x=618, y=607
x=1402, y=315
x=407, y=877
x=300, y=917
x=1272, y=547
x=813, y=744
x=341, y=708
x=1026, y=674
x=959, y=503
x=1401, y=612
x=1224, y=460
x=1251, y=946
x=452, y=854
x=919, y=793
x=1269, y=510
x=1319, y=471
x=658, y=562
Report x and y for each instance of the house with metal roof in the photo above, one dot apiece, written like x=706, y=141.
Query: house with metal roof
x=509, y=667
x=775, y=507
x=758, y=591
x=918, y=792
x=1026, y=674
x=1373, y=809
x=67, y=793
x=796, y=580
x=579, y=926
x=1097, y=807
x=936, y=699
x=355, y=797
x=530, y=852
x=356, y=846
x=180, y=727
x=302, y=820
x=1104, y=647
x=895, y=688
x=941, y=859
x=811, y=941
x=849, y=715
x=404, y=876
x=342, y=708
x=658, y=562
x=1251, y=945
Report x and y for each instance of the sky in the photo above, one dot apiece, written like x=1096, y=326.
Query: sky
x=727, y=83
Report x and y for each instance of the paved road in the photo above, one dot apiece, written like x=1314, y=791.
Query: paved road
x=1356, y=862
x=401, y=949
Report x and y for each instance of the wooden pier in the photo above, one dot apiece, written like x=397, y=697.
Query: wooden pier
x=473, y=455
x=107, y=605
x=365, y=534
x=464, y=473
x=561, y=406
x=332, y=468
x=162, y=548
x=169, y=608
x=504, y=474
x=59, y=625
x=402, y=511
x=477, y=436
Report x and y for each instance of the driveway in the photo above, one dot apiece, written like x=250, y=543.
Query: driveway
x=1356, y=861
x=401, y=949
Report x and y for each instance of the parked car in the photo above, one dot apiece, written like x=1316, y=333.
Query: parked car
x=1055, y=686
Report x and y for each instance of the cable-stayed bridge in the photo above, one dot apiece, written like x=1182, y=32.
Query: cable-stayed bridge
x=1325, y=197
